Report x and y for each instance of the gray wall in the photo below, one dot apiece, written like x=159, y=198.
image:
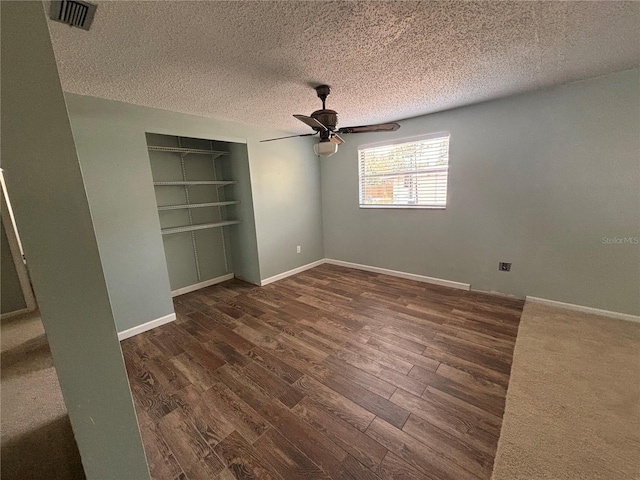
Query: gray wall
x=12, y=298
x=241, y=237
x=110, y=138
x=537, y=180
x=45, y=185
x=287, y=200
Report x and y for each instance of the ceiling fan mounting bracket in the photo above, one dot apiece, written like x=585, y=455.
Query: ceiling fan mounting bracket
x=323, y=92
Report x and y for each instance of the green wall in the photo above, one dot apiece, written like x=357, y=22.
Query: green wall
x=285, y=196
x=12, y=299
x=44, y=181
x=288, y=204
x=241, y=238
x=537, y=180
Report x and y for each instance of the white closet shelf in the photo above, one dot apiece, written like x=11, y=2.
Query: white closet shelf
x=159, y=148
x=202, y=226
x=196, y=182
x=197, y=205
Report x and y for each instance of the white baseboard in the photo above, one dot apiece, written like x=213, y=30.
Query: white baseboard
x=15, y=313
x=280, y=276
x=581, y=308
x=198, y=286
x=497, y=294
x=396, y=273
x=146, y=326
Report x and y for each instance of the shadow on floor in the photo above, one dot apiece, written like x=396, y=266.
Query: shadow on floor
x=48, y=453
x=30, y=356
x=37, y=439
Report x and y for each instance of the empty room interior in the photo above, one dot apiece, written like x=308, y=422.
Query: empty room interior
x=349, y=240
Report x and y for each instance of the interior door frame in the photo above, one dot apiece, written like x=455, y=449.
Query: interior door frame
x=16, y=252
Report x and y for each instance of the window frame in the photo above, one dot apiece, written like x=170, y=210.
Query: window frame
x=399, y=141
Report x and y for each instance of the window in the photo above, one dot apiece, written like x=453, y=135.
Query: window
x=411, y=174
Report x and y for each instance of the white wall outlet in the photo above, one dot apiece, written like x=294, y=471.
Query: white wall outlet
x=298, y=249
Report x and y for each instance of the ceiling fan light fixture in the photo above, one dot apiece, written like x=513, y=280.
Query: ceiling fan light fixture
x=325, y=148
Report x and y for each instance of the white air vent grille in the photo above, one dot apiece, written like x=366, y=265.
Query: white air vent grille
x=73, y=12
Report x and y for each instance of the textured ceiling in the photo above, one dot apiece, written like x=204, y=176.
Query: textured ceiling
x=256, y=61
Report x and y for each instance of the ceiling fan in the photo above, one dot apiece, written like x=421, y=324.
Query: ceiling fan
x=324, y=122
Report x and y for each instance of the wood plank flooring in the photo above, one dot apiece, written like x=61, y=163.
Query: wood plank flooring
x=330, y=374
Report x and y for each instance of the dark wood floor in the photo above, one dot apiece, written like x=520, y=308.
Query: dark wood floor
x=333, y=373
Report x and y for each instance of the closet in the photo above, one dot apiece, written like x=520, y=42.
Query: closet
x=195, y=202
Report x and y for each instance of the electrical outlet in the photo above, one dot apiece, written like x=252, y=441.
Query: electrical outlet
x=298, y=249
x=504, y=267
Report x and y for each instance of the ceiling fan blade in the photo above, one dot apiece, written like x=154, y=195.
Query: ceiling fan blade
x=335, y=138
x=381, y=127
x=290, y=136
x=312, y=122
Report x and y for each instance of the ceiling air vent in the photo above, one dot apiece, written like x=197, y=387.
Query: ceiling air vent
x=73, y=12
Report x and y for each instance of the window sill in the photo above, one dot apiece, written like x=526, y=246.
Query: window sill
x=410, y=207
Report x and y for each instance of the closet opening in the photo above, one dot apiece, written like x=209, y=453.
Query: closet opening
x=196, y=184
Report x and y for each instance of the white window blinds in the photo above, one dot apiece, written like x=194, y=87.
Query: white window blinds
x=412, y=174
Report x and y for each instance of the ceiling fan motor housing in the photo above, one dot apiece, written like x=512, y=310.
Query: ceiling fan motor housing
x=329, y=118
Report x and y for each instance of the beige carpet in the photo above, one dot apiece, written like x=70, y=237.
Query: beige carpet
x=573, y=404
x=37, y=440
